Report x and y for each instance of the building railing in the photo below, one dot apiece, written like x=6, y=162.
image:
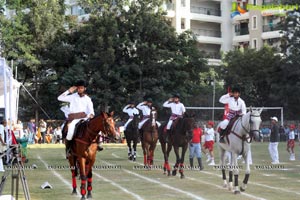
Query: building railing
x=271, y=27
x=205, y=32
x=205, y=11
x=212, y=55
x=242, y=31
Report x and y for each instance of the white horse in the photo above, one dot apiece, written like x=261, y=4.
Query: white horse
x=238, y=143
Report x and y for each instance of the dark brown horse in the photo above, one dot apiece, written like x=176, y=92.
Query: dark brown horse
x=132, y=135
x=84, y=149
x=181, y=134
x=150, y=137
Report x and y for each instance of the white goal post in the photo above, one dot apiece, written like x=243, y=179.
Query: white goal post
x=222, y=108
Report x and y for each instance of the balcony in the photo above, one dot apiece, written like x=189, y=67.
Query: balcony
x=205, y=11
x=271, y=27
x=206, y=32
x=242, y=31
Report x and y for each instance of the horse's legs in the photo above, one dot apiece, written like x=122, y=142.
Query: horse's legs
x=152, y=148
x=82, y=177
x=146, y=153
x=129, y=149
x=134, y=150
x=247, y=173
x=182, y=160
x=72, y=161
x=89, y=184
x=169, y=148
x=236, y=173
x=222, y=159
x=176, y=150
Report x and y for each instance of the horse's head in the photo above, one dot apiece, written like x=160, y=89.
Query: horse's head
x=136, y=119
x=188, y=126
x=109, y=123
x=153, y=116
x=254, y=121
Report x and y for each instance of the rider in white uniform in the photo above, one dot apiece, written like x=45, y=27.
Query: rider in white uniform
x=177, y=109
x=81, y=107
x=131, y=111
x=236, y=106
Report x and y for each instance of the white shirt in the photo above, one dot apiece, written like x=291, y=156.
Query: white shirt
x=144, y=108
x=235, y=105
x=176, y=108
x=130, y=111
x=2, y=132
x=209, y=134
x=77, y=103
x=291, y=135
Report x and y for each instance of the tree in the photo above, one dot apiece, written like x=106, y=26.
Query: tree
x=290, y=82
x=25, y=39
x=129, y=51
x=257, y=73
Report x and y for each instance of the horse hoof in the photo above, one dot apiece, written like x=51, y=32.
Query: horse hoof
x=237, y=192
x=82, y=198
x=169, y=173
x=182, y=176
x=242, y=189
x=74, y=192
x=89, y=196
x=174, y=173
x=225, y=186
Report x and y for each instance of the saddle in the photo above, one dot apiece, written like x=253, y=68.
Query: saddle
x=78, y=131
x=79, y=128
x=173, y=127
x=230, y=125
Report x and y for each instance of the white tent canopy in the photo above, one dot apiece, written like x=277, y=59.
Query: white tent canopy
x=9, y=93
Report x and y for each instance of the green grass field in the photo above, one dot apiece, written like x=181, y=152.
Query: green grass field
x=127, y=182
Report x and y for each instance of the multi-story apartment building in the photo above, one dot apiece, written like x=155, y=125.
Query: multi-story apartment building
x=258, y=26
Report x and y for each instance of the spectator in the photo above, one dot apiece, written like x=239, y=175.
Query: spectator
x=2, y=136
x=49, y=134
x=43, y=129
x=195, y=147
x=291, y=142
x=31, y=127
x=58, y=135
x=209, y=141
x=274, y=138
x=18, y=129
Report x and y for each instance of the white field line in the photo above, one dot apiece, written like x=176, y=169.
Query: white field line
x=57, y=175
x=105, y=179
x=159, y=183
x=252, y=196
x=136, y=196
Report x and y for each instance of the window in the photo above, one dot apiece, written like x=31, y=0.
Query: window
x=254, y=43
x=254, y=2
x=254, y=22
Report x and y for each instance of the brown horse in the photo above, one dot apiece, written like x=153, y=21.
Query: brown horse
x=84, y=149
x=150, y=137
x=181, y=134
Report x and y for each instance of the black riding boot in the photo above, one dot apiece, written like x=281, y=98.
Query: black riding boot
x=68, y=148
x=168, y=136
x=222, y=135
x=192, y=163
x=99, y=147
x=200, y=164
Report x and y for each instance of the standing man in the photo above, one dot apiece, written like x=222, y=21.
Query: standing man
x=195, y=147
x=236, y=106
x=291, y=142
x=31, y=130
x=177, y=109
x=131, y=111
x=274, y=138
x=81, y=107
x=43, y=129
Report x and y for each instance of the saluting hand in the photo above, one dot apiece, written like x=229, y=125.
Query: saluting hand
x=72, y=89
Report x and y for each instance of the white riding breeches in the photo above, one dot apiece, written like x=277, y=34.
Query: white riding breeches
x=143, y=122
x=71, y=128
x=170, y=122
x=223, y=124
